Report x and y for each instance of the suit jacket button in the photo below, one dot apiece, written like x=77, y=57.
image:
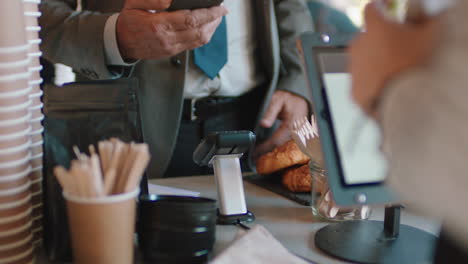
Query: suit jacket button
x=176, y=61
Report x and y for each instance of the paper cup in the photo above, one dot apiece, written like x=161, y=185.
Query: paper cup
x=36, y=126
x=14, y=187
x=37, y=160
x=27, y=257
x=31, y=19
x=14, y=112
x=14, y=128
x=16, y=237
x=5, y=213
x=14, y=67
x=36, y=198
x=36, y=173
x=15, y=197
x=38, y=209
x=15, y=171
x=14, y=53
x=37, y=222
x=36, y=96
x=32, y=34
x=36, y=102
x=14, y=139
x=14, y=82
x=34, y=42
x=19, y=215
x=112, y=241
x=12, y=14
x=37, y=150
x=36, y=112
x=35, y=82
x=31, y=6
x=36, y=186
x=15, y=97
x=18, y=224
x=23, y=250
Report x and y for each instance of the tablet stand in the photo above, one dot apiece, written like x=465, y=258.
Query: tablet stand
x=366, y=241
x=231, y=197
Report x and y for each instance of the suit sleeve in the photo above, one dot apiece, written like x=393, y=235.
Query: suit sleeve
x=76, y=38
x=293, y=18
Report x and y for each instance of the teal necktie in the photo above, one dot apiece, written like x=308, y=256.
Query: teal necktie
x=211, y=57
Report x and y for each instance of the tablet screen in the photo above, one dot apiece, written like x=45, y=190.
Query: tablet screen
x=357, y=137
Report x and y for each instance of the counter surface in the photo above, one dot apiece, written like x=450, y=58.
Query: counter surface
x=291, y=223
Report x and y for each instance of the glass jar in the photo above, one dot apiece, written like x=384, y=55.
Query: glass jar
x=322, y=203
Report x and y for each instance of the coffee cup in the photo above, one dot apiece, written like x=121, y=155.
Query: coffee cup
x=176, y=229
x=14, y=67
x=14, y=82
x=15, y=53
x=11, y=14
x=102, y=228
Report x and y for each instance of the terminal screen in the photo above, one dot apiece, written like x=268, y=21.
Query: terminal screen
x=357, y=136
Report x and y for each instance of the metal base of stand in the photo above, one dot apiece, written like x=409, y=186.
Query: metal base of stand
x=234, y=219
x=368, y=242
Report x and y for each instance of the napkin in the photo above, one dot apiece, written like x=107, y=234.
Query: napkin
x=257, y=246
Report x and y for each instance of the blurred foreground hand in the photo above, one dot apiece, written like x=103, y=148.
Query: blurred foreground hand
x=386, y=49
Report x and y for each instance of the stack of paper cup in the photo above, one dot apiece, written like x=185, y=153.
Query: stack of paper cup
x=15, y=142
x=31, y=15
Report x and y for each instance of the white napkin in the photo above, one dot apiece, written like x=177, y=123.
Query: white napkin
x=166, y=190
x=257, y=246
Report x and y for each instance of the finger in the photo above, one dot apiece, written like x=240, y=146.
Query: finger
x=148, y=4
x=189, y=19
x=279, y=137
x=194, y=38
x=175, y=42
x=272, y=112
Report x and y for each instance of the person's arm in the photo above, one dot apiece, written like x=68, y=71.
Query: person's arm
x=292, y=99
x=75, y=38
x=293, y=18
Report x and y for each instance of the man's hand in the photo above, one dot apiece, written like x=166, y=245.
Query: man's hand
x=386, y=49
x=286, y=107
x=145, y=34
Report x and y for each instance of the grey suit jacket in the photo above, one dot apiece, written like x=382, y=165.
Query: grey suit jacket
x=75, y=38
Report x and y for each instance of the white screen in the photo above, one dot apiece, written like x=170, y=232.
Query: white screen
x=358, y=136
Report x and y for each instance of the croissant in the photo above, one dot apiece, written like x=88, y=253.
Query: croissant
x=282, y=157
x=298, y=179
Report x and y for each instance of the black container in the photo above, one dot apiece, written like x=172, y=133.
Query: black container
x=176, y=229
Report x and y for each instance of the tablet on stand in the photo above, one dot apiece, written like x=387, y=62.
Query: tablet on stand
x=355, y=166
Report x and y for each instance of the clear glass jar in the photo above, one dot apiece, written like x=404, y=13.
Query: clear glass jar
x=323, y=206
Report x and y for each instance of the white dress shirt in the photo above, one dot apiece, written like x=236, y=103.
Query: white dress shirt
x=240, y=74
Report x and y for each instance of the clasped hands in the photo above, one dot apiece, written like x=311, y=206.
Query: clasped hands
x=145, y=31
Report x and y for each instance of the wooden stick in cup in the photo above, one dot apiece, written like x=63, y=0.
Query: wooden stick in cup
x=126, y=161
x=138, y=167
x=96, y=173
x=110, y=179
